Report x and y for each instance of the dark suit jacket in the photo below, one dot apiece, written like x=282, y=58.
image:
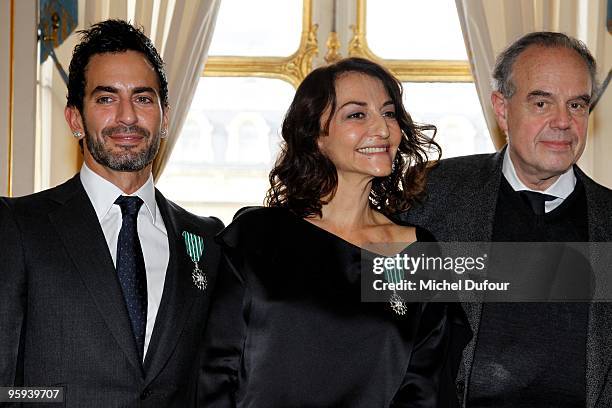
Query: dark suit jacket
x=62, y=315
x=460, y=206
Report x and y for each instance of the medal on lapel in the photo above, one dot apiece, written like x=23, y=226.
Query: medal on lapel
x=195, y=247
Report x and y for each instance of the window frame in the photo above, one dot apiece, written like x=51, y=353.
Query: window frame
x=407, y=70
x=292, y=68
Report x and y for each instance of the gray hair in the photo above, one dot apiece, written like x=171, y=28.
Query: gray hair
x=502, y=72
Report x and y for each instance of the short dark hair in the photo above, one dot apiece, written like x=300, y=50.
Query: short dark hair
x=111, y=36
x=502, y=72
x=303, y=176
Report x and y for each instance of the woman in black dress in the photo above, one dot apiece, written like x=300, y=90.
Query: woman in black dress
x=287, y=325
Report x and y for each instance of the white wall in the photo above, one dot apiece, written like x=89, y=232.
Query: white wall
x=4, y=94
x=23, y=109
x=60, y=155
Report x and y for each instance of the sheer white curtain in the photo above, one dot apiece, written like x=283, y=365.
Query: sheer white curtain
x=181, y=31
x=490, y=25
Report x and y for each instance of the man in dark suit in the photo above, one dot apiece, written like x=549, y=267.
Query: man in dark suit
x=105, y=283
x=530, y=354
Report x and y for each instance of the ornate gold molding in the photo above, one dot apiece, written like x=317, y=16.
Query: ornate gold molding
x=408, y=71
x=333, y=48
x=292, y=69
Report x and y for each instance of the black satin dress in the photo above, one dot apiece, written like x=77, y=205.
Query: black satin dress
x=288, y=328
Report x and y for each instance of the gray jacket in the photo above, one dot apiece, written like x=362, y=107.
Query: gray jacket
x=460, y=206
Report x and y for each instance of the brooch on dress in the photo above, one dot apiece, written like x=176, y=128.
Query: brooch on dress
x=396, y=302
x=195, y=247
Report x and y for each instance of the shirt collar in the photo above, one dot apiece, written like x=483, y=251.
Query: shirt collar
x=102, y=193
x=561, y=188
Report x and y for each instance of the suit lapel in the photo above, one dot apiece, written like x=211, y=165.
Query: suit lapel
x=599, y=341
x=480, y=230
x=178, y=296
x=481, y=227
x=457, y=225
x=80, y=232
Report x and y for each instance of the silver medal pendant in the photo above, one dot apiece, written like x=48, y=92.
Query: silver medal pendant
x=397, y=304
x=195, y=247
x=199, y=278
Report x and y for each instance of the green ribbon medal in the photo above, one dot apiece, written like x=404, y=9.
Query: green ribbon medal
x=396, y=302
x=195, y=247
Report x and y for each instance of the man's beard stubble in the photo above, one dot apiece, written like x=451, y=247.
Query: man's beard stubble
x=125, y=160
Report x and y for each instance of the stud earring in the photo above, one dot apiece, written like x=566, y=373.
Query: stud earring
x=77, y=134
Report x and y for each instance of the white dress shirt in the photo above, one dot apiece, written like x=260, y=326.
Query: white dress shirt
x=151, y=232
x=561, y=188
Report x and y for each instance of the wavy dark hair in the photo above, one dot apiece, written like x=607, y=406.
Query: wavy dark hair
x=304, y=179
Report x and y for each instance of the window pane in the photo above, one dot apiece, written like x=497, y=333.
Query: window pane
x=228, y=145
x=400, y=29
x=455, y=110
x=257, y=28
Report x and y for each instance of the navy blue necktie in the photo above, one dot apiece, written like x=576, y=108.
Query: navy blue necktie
x=131, y=268
x=536, y=200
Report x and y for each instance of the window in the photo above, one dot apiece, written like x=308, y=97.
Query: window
x=228, y=145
